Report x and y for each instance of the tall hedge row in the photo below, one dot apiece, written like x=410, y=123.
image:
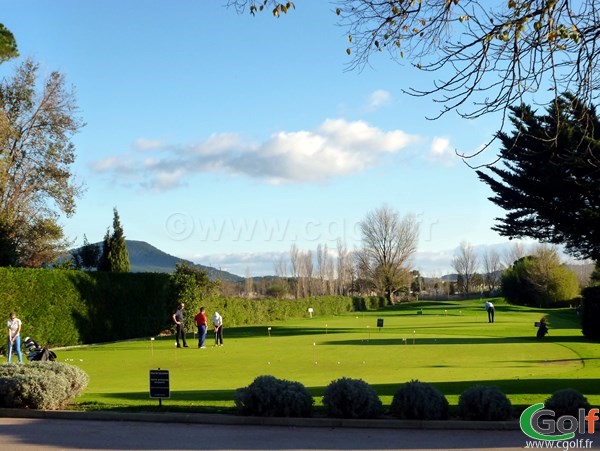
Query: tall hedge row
x=66, y=307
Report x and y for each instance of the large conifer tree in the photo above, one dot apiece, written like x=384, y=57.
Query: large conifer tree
x=118, y=256
x=549, y=180
x=114, y=257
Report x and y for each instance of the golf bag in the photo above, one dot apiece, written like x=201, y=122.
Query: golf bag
x=36, y=352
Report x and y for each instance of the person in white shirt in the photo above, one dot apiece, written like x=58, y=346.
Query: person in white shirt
x=217, y=321
x=13, y=340
x=490, y=310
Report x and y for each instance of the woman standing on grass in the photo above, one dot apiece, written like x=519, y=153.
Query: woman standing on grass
x=13, y=341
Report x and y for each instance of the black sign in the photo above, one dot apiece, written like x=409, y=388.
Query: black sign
x=380, y=322
x=159, y=384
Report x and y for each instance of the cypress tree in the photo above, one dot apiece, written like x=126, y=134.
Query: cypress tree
x=119, y=256
x=103, y=262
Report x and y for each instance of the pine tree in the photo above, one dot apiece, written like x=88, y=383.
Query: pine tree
x=550, y=188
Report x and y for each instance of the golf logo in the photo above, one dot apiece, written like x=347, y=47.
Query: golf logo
x=539, y=423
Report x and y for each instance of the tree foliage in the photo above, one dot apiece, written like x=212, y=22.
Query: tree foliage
x=487, y=55
x=103, y=261
x=118, y=256
x=388, y=242
x=550, y=188
x=87, y=256
x=8, y=44
x=37, y=124
x=114, y=257
x=193, y=287
x=539, y=280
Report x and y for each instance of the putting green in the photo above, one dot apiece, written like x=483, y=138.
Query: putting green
x=451, y=344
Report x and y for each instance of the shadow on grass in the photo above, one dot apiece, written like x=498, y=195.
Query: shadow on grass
x=262, y=331
x=543, y=387
x=454, y=341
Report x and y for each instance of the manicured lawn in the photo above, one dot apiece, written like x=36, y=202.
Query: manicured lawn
x=450, y=345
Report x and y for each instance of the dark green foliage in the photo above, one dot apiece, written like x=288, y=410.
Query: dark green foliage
x=87, y=256
x=549, y=184
x=567, y=401
x=484, y=403
x=103, y=261
x=40, y=385
x=590, y=313
x=417, y=400
x=8, y=245
x=114, y=256
x=351, y=398
x=268, y=396
x=8, y=45
x=118, y=256
x=61, y=307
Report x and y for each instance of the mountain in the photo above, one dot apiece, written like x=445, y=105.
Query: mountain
x=144, y=257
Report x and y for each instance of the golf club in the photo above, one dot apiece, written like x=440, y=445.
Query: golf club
x=10, y=346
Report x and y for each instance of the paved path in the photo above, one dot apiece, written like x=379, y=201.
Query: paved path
x=31, y=434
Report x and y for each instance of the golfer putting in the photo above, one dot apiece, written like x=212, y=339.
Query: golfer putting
x=217, y=321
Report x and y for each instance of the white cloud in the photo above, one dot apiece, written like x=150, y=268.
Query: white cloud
x=379, y=98
x=147, y=144
x=336, y=148
x=441, y=151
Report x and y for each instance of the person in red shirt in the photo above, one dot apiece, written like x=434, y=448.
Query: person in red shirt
x=201, y=321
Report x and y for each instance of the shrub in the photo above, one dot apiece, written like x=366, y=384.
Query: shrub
x=40, y=385
x=567, y=401
x=416, y=400
x=484, y=403
x=268, y=396
x=351, y=398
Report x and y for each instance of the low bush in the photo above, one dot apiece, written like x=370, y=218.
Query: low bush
x=484, y=403
x=417, y=400
x=351, y=398
x=268, y=396
x=567, y=401
x=40, y=385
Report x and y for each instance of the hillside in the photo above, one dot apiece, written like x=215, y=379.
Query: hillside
x=144, y=257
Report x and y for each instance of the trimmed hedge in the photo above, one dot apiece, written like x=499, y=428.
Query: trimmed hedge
x=67, y=307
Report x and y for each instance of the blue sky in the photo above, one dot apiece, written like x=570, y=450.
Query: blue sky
x=225, y=138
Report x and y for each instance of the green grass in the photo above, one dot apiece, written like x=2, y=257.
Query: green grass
x=450, y=345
